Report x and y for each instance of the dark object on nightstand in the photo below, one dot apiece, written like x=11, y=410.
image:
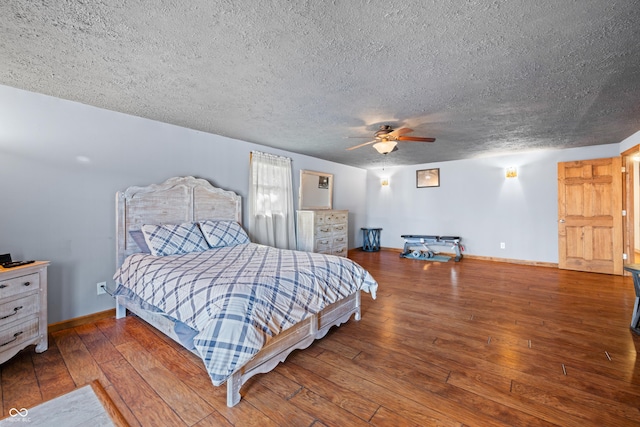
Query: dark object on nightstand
x=5, y=261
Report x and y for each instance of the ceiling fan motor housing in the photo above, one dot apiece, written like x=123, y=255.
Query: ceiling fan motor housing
x=384, y=130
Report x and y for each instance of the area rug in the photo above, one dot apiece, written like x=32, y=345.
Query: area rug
x=85, y=406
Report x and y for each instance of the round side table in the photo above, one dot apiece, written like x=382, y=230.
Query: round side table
x=370, y=239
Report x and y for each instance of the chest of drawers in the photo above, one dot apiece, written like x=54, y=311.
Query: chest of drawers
x=23, y=309
x=323, y=231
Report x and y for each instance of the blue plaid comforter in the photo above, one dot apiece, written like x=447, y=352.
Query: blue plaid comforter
x=238, y=297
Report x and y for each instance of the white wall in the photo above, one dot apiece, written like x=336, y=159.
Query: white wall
x=58, y=208
x=54, y=207
x=630, y=142
x=476, y=202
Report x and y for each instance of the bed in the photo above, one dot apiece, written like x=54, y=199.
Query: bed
x=241, y=307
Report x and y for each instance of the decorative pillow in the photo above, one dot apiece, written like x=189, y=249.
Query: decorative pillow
x=223, y=233
x=174, y=239
x=138, y=237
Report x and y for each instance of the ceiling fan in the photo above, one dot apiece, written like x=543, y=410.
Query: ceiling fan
x=386, y=139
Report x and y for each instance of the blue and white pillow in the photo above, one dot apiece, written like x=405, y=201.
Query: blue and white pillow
x=174, y=239
x=223, y=233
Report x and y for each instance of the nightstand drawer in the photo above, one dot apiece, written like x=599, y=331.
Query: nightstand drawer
x=23, y=309
x=18, y=332
x=19, y=285
x=10, y=311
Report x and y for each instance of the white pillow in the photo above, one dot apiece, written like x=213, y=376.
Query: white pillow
x=223, y=233
x=174, y=239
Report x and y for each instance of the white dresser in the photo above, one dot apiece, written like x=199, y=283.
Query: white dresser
x=324, y=231
x=23, y=309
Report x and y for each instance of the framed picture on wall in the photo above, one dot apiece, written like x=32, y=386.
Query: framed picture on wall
x=428, y=178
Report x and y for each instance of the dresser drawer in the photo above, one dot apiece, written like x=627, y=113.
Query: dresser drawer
x=324, y=243
x=19, y=285
x=10, y=311
x=16, y=333
x=324, y=231
x=323, y=249
x=338, y=241
x=321, y=218
x=339, y=250
x=339, y=229
x=339, y=218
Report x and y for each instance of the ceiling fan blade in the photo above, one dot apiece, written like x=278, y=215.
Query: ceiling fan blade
x=361, y=145
x=415, y=138
x=398, y=132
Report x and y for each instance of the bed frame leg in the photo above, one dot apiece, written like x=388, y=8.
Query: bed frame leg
x=357, y=315
x=121, y=310
x=234, y=382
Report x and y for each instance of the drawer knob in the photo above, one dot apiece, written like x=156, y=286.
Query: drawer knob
x=15, y=337
x=15, y=311
x=3, y=286
x=27, y=283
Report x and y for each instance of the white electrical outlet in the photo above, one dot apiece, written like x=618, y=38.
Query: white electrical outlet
x=102, y=288
x=502, y=245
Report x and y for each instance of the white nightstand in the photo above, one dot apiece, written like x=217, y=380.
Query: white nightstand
x=23, y=309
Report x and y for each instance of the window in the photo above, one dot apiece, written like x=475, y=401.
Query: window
x=271, y=214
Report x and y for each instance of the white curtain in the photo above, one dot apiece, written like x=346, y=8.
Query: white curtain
x=271, y=214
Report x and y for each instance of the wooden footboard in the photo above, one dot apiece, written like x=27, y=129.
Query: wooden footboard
x=299, y=336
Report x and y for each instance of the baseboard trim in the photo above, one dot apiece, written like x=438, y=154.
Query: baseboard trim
x=83, y=320
x=514, y=261
x=485, y=258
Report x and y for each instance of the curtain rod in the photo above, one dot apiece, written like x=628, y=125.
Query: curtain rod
x=275, y=156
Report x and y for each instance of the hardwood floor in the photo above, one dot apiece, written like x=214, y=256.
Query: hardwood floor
x=473, y=343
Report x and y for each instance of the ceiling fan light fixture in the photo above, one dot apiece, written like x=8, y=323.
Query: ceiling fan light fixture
x=385, y=147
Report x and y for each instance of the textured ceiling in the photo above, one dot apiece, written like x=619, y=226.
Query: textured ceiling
x=482, y=77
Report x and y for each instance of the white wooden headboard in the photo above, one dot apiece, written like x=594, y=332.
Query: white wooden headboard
x=177, y=200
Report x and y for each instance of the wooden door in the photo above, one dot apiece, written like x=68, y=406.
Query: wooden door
x=590, y=215
x=629, y=184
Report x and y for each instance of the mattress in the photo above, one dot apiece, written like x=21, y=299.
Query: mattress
x=237, y=298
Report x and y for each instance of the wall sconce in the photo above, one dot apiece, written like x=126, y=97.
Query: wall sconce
x=511, y=172
x=384, y=182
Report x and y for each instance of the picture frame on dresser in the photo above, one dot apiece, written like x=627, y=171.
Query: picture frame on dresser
x=23, y=309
